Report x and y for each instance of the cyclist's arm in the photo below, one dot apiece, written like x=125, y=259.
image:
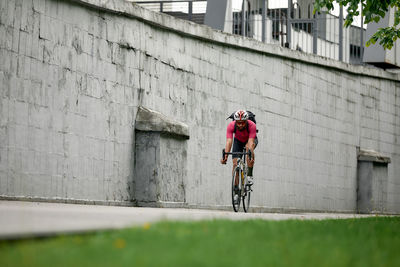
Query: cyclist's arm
x=228, y=147
x=252, y=136
x=229, y=140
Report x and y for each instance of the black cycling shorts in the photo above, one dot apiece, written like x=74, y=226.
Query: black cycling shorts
x=239, y=146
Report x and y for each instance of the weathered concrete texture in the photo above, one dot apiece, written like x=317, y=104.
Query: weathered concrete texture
x=160, y=167
x=372, y=182
x=372, y=156
x=66, y=111
x=173, y=169
x=149, y=120
x=372, y=187
x=73, y=74
x=147, y=159
x=160, y=159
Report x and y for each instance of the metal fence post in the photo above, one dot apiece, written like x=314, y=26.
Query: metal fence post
x=341, y=34
x=289, y=23
x=263, y=20
x=361, y=36
x=190, y=10
x=243, y=18
x=315, y=34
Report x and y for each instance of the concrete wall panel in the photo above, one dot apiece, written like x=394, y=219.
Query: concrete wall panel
x=73, y=74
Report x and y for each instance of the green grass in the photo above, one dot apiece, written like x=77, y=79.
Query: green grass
x=352, y=242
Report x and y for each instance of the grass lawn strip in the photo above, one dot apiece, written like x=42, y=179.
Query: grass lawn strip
x=371, y=241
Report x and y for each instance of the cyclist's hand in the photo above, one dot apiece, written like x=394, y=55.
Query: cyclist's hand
x=224, y=160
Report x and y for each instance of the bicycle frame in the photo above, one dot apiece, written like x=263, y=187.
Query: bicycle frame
x=242, y=165
x=243, y=187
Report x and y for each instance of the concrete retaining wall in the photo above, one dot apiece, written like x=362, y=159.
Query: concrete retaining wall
x=73, y=74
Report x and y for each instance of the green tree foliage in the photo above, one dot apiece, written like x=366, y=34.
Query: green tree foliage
x=373, y=11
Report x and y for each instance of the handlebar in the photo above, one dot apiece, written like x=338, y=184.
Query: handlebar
x=235, y=153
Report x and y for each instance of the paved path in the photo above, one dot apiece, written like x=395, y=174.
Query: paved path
x=20, y=219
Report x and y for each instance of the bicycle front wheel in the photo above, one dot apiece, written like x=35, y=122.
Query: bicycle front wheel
x=246, y=198
x=236, y=194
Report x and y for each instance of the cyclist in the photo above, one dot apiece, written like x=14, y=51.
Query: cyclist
x=245, y=132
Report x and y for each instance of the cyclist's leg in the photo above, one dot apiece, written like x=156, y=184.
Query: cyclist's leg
x=237, y=147
x=234, y=160
x=250, y=164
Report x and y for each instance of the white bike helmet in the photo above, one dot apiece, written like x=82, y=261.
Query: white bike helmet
x=241, y=115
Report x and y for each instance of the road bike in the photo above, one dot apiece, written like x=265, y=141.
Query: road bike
x=243, y=192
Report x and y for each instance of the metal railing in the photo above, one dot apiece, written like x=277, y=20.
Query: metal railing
x=322, y=34
x=190, y=10
x=295, y=27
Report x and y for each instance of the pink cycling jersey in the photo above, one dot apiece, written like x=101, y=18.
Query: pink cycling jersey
x=242, y=136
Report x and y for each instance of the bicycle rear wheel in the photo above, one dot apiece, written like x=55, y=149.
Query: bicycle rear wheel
x=236, y=202
x=246, y=198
